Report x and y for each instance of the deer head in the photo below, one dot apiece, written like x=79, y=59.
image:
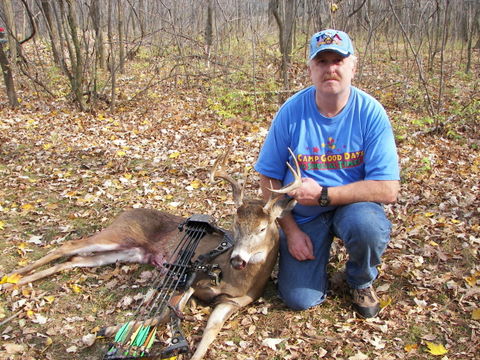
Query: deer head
x=254, y=226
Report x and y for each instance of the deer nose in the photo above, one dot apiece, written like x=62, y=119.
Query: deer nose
x=238, y=263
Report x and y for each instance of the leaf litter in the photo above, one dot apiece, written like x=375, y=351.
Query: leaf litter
x=66, y=174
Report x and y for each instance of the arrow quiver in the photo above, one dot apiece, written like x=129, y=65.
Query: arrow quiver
x=135, y=339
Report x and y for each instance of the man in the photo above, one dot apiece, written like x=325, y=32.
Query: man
x=344, y=144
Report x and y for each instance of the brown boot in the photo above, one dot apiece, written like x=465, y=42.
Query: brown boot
x=365, y=302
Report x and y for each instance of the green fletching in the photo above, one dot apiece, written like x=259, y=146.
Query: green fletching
x=122, y=333
x=141, y=336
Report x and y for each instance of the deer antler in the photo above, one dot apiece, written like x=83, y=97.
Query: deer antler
x=218, y=171
x=297, y=182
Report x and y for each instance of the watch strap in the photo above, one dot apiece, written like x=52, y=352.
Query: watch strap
x=324, y=199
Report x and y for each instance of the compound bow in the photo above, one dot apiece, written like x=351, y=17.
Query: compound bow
x=135, y=339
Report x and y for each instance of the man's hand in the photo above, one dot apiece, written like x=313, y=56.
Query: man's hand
x=300, y=246
x=308, y=193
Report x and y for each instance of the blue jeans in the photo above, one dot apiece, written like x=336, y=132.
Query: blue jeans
x=365, y=231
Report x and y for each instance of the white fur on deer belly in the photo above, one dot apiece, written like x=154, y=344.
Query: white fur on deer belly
x=87, y=250
x=135, y=255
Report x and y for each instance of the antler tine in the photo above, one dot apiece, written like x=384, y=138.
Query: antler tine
x=271, y=200
x=297, y=182
x=218, y=171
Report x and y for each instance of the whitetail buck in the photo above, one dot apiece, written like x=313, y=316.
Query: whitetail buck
x=146, y=236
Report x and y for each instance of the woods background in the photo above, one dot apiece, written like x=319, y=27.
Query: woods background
x=125, y=103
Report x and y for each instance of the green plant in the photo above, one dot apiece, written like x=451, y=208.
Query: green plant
x=427, y=164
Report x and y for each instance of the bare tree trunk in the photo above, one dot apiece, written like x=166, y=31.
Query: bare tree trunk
x=442, y=53
x=52, y=30
x=141, y=16
x=472, y=19
x=75, y=54
x=96, y=22
x=7, y=74
x=11, y=27
x=121, y=37
x=112, y=54
x=209, y=31
x=285, y=17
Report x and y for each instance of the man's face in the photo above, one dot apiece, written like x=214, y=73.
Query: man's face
x=331, y=73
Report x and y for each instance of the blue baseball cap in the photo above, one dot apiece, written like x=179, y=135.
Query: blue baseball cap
x=332, y=40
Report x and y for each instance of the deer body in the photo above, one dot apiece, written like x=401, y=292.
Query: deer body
x=148, y=236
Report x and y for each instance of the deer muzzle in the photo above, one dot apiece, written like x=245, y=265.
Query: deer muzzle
x=238, y=263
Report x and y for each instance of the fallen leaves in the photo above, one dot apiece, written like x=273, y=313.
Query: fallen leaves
x=12, y=348
x=65, y=174
x=436, y=349
x=10, y=279
x=272, y=343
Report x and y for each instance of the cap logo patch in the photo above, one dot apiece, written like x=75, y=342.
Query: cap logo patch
x=326, y=39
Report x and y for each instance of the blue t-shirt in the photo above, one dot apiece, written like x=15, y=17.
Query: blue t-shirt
x=357, y=144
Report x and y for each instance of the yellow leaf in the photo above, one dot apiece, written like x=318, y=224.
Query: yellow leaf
x=169, y=197
x=429, y=214
x=476, y=314
x=30, y=313
x=127, y=176
x=49, y=298
x=47, y=146
x=22, y=262
x=2, y=225
x=436, y=349
x=334, y=7
x=76, y=289
x=11, y=279
x=26, y=292
x=174, y=155
x=411, y=347
x=27, y=207
x=385, y=301
x=471, y=280
x=121, y=153
x=48, y=341
x=195, y=184
x=95, y=329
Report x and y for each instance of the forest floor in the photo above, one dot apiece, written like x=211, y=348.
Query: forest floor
x=65, y=174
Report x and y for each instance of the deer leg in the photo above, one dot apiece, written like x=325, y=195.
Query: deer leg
x=214, y=324
x=96, y=243
x=111, y=257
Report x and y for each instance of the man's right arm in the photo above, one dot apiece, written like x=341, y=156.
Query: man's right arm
x=299, y=244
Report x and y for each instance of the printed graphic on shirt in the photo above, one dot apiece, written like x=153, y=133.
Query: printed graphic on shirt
x=330, y=157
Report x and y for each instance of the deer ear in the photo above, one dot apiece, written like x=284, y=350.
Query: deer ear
x=282, y=207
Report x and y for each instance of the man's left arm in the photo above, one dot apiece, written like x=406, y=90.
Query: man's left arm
x=381, y=191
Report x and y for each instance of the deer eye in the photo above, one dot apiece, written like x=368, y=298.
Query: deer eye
x=262, y=228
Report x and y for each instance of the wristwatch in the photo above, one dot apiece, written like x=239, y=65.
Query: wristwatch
x=324, y=199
